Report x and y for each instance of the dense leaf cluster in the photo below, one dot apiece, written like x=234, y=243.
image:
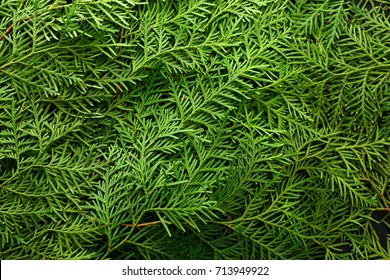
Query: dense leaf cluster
x=193, y=129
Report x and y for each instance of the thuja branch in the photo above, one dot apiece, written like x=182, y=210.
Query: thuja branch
x=39, y=12
x=227, y=152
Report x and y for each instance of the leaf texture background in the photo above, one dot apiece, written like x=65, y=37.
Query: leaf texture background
x=218, y=129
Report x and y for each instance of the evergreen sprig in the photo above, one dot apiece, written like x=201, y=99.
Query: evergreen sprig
x=193, y=129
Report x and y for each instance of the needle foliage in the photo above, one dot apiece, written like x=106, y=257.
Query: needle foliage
x=193, y=129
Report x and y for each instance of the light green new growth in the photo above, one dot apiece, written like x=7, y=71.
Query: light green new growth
x=193, y=129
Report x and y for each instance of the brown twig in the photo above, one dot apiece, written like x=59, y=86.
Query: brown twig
x=138, y=226
x=9, y=29
x=230, y=218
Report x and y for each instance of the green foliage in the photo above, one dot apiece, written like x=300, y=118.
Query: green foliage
x=193, y=129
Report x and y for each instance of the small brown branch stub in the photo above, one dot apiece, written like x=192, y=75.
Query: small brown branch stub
x=230, y=218
x=365, y=180
x=121, y=35
x=9, y=29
